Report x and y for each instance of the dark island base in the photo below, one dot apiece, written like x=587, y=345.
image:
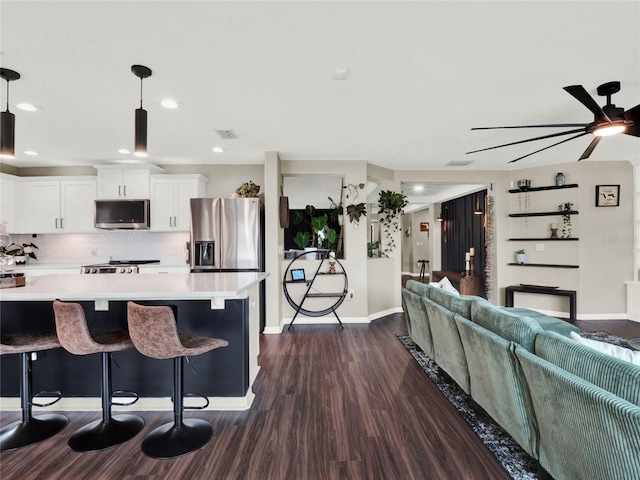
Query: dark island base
x=223, y=372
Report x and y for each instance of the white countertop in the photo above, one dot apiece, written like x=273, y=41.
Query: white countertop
x=170, y=286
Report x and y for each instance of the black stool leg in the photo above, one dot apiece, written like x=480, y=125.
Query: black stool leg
x=110, y=430
x=182, y=436
x=30, y=429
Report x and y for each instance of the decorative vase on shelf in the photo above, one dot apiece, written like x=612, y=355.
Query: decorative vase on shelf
x=20, y=259
x=559, y=179
x=521, y=258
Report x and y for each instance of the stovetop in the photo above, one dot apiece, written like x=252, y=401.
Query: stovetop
x=132, y=262
x=116, y=266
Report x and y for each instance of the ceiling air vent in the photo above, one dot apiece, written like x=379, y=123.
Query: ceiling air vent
x=460, y=163
x=227, y=134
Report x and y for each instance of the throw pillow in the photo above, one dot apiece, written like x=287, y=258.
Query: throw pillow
x=446, y=285
x=622, y=353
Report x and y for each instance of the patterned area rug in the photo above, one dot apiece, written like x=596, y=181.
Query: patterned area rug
x=518, y=463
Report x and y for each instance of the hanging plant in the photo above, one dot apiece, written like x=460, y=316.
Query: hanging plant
x=355, y=211
x=566, y=208
x=391, y=206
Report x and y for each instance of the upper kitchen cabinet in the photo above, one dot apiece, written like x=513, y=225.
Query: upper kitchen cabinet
x=124, y=182
x=170, y=195
x=58, y=204
x=10, y=194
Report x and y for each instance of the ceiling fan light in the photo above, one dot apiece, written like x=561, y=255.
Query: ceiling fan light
x=610, y=129
x=7, y=135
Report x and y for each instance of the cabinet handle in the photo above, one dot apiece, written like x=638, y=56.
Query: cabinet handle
x=175, y=221
x=125, y=190
x=61, y=224
x=119, y=190
x=57, y=223
x=170, y=222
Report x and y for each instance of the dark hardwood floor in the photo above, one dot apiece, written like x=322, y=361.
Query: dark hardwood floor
x=330, y=404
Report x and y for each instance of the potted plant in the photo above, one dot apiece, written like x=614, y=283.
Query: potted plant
x=355, y=211
x=20, y=253
x=391, y=206
x=248, y=190
x=566, y=208
x=318, y=233
x=521, y=256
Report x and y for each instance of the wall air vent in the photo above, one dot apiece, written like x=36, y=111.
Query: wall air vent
x=460, y=163
x=227, y=134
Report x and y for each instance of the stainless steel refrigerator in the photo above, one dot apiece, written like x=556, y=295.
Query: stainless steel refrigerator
x=226, y=235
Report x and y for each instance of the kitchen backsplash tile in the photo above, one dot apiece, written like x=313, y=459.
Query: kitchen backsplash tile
x=83, y=249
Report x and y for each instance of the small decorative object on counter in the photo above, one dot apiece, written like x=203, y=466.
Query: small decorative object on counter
x=248, y=190
x=559, y=179
x=554, y=230
x=521, y=256
x=22, y=252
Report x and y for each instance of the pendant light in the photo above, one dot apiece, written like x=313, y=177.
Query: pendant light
x=140, y=149
x=477, y=211
x=8, y=120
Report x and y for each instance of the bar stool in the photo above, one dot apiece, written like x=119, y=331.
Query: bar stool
x=422, y=269
x=73, y=333
x=155, y=334
x=30, y=429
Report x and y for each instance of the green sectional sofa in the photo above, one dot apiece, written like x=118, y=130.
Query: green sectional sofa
x=574, y=409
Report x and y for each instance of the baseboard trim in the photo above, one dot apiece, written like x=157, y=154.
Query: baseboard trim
x=384, y=313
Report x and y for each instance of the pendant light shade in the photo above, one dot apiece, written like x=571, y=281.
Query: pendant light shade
x=140, y=147
x=8, y=120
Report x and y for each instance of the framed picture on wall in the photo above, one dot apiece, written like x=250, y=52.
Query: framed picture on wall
x=607, y=195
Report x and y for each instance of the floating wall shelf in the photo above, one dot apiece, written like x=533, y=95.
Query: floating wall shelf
x=549, y=265
x=539, y=189
x=542, y=214
x=543, y=239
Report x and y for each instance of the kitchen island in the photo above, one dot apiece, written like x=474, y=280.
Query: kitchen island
x=221, y=305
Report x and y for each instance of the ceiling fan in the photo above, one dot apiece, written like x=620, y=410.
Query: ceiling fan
x=608, y=120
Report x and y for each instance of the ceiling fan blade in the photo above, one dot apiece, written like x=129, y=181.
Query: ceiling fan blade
x=545, y=148
x=590, y=148
x=552, y=125
x=634, y=129
x=580, y=94
x=531, y=140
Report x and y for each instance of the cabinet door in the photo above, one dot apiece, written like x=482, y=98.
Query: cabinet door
x=77, y=205
x=183, y=192
x=8, y=202
x=161, y=204
x=110, y=183
x=136, y=183
x=41, y=212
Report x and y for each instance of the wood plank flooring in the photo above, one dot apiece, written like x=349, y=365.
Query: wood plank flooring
x=330, y=404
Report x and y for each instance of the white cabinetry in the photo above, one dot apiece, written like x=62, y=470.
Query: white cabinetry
x=58, y=204
x=170, y=195
x=10, y=190
x=118, y=182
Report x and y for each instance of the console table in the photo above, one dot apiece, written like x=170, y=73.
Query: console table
x=467, y=285
x=509, y=291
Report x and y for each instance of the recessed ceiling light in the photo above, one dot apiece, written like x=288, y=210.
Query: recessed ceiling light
x=217, y=149
x=418, y=188
x=27, y=107
x=124, y=151
x=30, y=152
x=169, y=103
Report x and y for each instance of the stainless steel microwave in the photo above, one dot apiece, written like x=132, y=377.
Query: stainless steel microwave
x=122, y=214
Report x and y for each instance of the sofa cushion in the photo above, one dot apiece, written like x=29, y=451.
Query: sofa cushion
x=417, y=321
x=516, y=328
x=610, y=373
x=496, y=382
x=419, y=288
x=548, y=324
x=447, y=346
x=584, y=431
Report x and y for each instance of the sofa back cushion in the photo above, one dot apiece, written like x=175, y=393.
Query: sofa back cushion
x=516, y=328
x=617, y=376
x=417, y=321
x=419, y=288
x=496, y=382
x=447, y=346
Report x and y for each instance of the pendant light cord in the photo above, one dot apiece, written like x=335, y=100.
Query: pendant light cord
x=140, y=92
x=7, y=95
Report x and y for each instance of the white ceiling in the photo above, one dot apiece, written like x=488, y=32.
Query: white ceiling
x=420, y=75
